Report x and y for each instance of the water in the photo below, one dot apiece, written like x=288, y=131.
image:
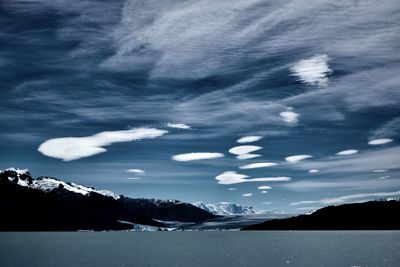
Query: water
x=272, y=248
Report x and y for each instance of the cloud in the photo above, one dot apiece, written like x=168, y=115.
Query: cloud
x=355, y=183
x=232, y=177
x=367, y=161
x=241, y=150
x=290, y=116
x=347, y=152
x=197, y=156
x=247, y=195
x=297, y=158
x=258, y=165
x=383, y=177
x=264, y=192
x=313, y=71
x=313, y=171
x=179, y=126
x=264, y=187
x=73, y=148
x=232, y=189
x=249, y=139
x=378, y=171
x=389, y=129
x=347, y=198
x=248, y=156
x=136, y=171
x=381, y=141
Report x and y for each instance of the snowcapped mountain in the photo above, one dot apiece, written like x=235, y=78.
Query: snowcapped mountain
x=49, y=204
x=48, y=184
x=226, y=208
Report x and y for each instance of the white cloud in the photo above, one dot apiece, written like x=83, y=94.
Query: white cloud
x=232, y=189
x=347, y=152
x=247, y=195
x=383, y=177
x=290, y=116
x=73, y=148
x=248, y=156
x=134, y=178
x=179, y=126
x=347, y=198
x=249, y=139
x=197, y=156
x=367, y=161
x=381, y=141
x=264, y=192
x=241, y=150
x=267, y=203
x=379, y=171
x=264, y=187
x=297, y=158
x=258, y=165
x=313, y=171
x=136, y=171
x=313, y=71
x=232, y=177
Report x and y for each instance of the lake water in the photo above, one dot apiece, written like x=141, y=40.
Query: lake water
x=227, y=248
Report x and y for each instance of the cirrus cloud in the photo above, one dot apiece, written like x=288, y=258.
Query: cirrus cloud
x=73, y=148
x=258, y=165
x=197, y=156
x=232, y=177
x=381, y=141
x=297, y=158
x=249, y=139
x=347, y=152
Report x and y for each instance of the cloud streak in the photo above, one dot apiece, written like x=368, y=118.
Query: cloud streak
x=232, y=177
x=197, y=156
x=73, y=148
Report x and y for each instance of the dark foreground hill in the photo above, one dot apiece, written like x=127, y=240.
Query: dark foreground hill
x=49, y=204
x=372, y=215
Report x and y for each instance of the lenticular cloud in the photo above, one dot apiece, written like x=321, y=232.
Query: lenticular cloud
x=73, y=148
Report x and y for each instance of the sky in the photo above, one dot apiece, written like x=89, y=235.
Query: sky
x=286, y=105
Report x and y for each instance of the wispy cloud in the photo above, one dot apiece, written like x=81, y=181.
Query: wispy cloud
x=179, y=126
x=248, y=156
x=249, y=139
x=313, y=71
x=290, y=116
x=365, y=161
x=258, y=165
x=232, y=177
x=297, y=158
x=197, y=156
x=247, y=195
x=313, y=171
x=136, y=171
x=381, y=141
x=264, y=187
x=241, y=150
x=73, y=148
x=347, y=152
x=347, y=198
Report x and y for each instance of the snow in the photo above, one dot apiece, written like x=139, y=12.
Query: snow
x=48, y=184
x=226, y=208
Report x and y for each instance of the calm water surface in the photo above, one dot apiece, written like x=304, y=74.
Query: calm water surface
x=272, y=248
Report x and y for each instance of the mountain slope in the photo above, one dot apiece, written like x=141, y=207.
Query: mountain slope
x=48, y=204
x=372, y=215
x=226, y=208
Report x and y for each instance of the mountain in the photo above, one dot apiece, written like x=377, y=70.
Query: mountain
x=226, y=208
x=49, y=204
x=372, y=215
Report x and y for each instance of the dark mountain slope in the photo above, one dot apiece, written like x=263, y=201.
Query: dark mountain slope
x=372, y=215
x=49, y=204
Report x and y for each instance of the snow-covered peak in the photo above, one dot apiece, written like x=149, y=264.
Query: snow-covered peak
x=226, y=208
x=22, y=177
x=18, y=171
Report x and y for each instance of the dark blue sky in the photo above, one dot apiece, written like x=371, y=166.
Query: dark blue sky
x=138, y=83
